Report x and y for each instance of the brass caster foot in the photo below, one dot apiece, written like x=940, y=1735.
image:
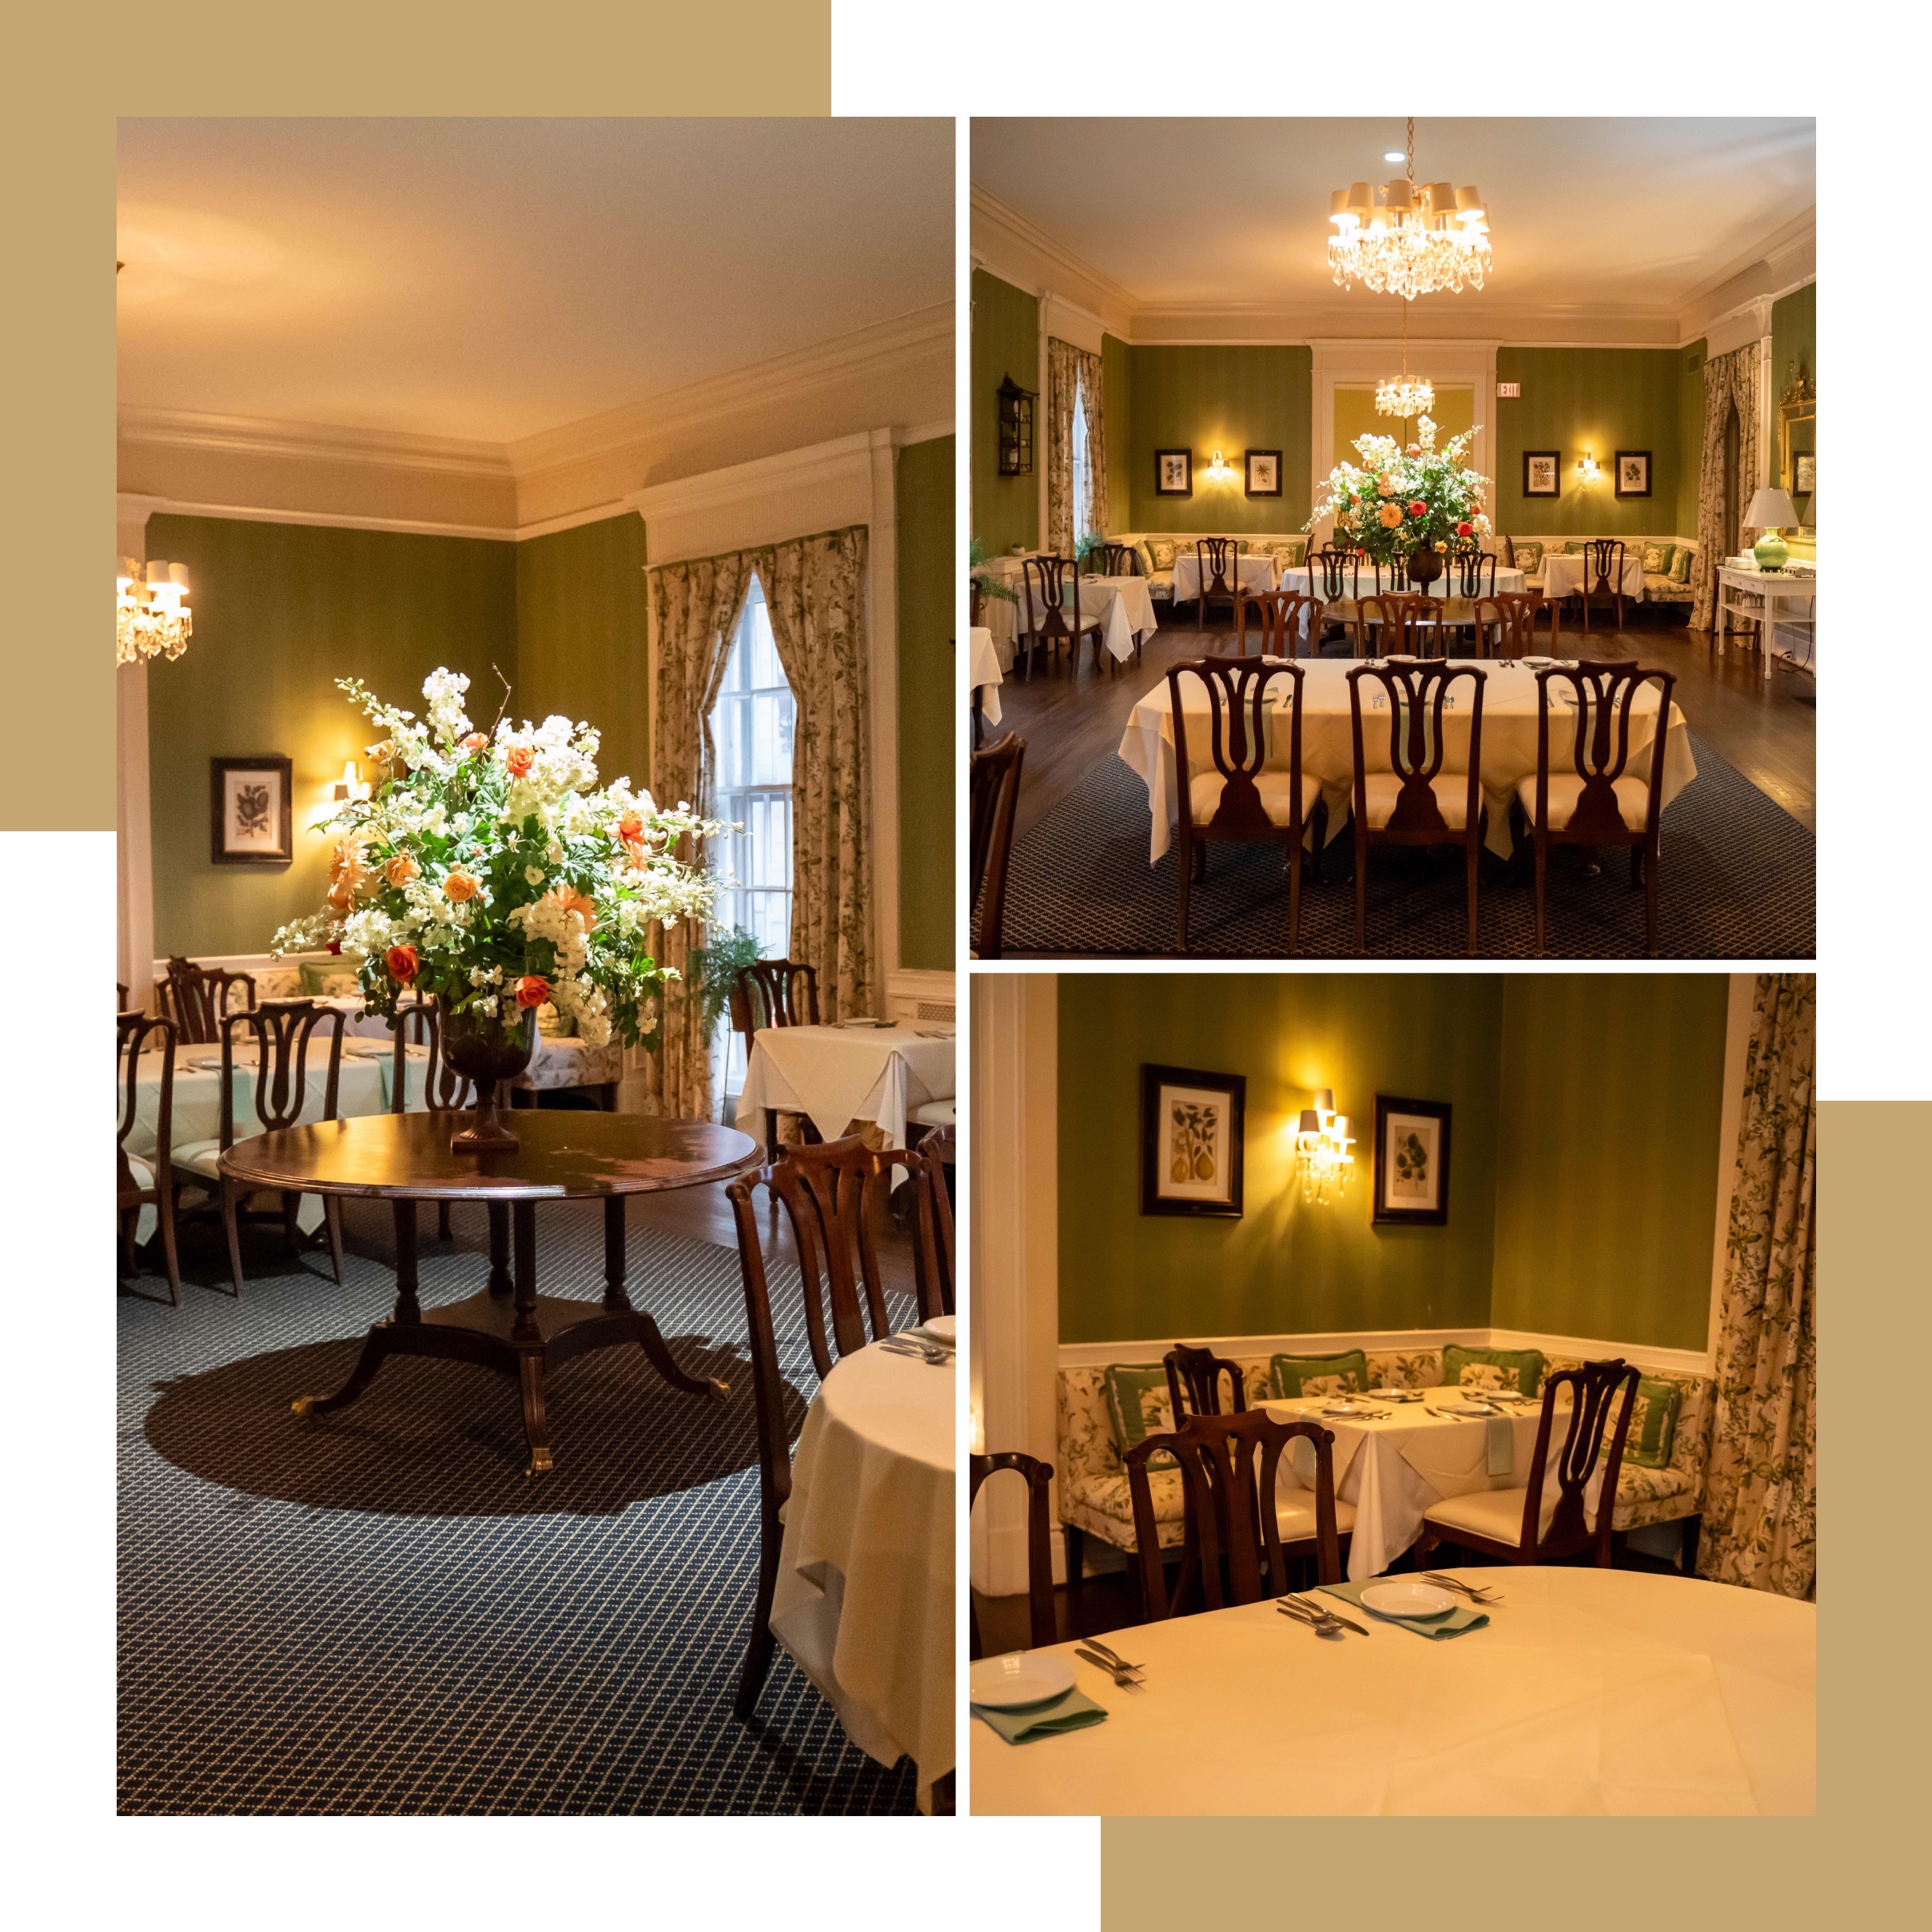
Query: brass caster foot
x=304, y=1406
x=720, y=1390
x=540, y=1461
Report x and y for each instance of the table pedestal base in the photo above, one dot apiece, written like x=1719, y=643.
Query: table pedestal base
x=514, y=1330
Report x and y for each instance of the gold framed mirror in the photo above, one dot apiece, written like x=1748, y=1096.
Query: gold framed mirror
x=1797, y=445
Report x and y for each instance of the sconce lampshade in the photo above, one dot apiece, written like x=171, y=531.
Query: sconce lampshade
x=1311, y=1121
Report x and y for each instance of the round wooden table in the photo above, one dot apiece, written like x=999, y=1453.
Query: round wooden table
x=404, y=1158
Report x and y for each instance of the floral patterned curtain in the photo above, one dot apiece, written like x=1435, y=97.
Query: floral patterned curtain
x=816, y=593
x=1063, y=363
x=694, y=607
x=1761, y=1493
x=1096, y=517
x=1728, y=379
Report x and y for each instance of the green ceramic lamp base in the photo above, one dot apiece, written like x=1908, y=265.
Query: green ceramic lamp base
x=1771, y=551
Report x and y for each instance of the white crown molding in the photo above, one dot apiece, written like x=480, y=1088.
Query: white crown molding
x=314, y=442
x=844, y=459
x=334, y=519
x=1005, y=243
x=924, y=432
x=763, y=386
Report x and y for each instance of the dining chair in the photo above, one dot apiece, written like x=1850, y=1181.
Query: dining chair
x=1194, y=1376
x=1235, y=1550
x=139, y=1182
x=1392, y=578
x=1043, y=618
x=442, y=1090
x=933, y=1267
x=1409, y=625
x=120, y=997
x=993, y=783
x=1218, y=560
x=1528, y=1525
x=775, y=993
x=1603, y=575
x=282, y=1031
x=1105, y=560
x=1235, y=797
x=1512, y=615
x=1335, y=575
x=1416, y=801
x=1281, y=618
x=1472, y=571
x=197, y=999
x=1594, y=799
x=1039, y=1547
x=828, y=1192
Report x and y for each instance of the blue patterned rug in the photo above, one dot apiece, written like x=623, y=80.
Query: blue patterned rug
x=378, y=1612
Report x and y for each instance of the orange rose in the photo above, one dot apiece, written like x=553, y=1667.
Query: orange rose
x=630, y=828
x=400, y=870
x=570, y=900
x=533, y=989
x=518, y=760
x=458, y=885
x=400, y=960
x=474, y=743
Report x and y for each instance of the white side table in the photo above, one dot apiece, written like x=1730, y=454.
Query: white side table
x=1772, y=588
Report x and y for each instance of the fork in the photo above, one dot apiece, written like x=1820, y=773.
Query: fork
x=899, y=1344
x=1451, y=1583
x=1296, y=1615
x=1327, y=1616
x=1094, y=1644
x=1125, y=1679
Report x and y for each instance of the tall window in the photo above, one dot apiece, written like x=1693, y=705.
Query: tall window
x=1083, y=494
x=752, y=728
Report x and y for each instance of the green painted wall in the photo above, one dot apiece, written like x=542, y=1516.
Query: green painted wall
x=1116, y=405
x=1606, y=1162
x=1282, y=1267
x=581, y=638
x=1205, y=397
x=1006, y=342
x=1795, y=343
x=1690, y=435
x=927, y=626
x=1598, y=400
x=280, y=611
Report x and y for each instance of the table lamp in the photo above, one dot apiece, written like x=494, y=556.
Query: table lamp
x=1770, y=511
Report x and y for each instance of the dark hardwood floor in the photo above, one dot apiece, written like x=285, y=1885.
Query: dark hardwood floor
x=1764, y=724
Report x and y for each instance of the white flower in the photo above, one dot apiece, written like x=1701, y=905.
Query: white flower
x=533, y=874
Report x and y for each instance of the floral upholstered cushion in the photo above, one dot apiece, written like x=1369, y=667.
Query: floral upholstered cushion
x=1667, y=590
x=1289, y=552
x=1415, y=1368
x=1138, y=1403
x=1529, y=556
x=1144, y=556
x=1680, y=565
x=331, y=978
x=1292, y=1375
x=1520, y=1369
x=1574, y=548
x=1657, y=557
x=1163, y=550
x=1653, y=1423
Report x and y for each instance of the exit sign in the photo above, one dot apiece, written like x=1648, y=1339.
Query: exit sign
x=1509, y=389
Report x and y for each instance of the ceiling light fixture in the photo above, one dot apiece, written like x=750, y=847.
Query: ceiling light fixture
x=1400, y=396
x=1395, y=154
x=151, y=614
x=1400, y=239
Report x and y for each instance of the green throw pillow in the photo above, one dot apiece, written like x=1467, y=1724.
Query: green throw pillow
x=1574, y=548
x=1653, y=1423
x=1241, y=546
x=1524, y=1365
x=1292, y=1375
x=1529, y=557
x=1138, y=1403
x=1162, y=549
x=1290, y=552
x=1680, y=565
x=1657, y=558
x=1146, y=557
x=333, y=977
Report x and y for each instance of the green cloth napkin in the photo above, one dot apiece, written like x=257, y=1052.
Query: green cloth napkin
x=1465, y=1617
x=1072, y=1712
x=1499, y=1445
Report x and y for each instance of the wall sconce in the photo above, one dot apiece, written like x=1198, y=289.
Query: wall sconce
x=1586, y=471
x=1015, y=429
x=352, y=784
x=1217, y=471
x=1323, y=1158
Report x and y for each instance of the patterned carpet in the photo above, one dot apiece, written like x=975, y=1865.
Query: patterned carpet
x=1738, y=882
x=378, y=1613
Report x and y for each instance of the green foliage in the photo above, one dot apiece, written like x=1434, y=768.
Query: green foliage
x=709, y=968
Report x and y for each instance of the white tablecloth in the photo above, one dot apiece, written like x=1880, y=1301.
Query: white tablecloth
x=1393, y=1470
x=1122, y=605
x=1328, y=749
x=837, y=1074
x=1253, y=573
x=1563, y=573
x=864, y=1598
x=985, y=674
x=1604, y=1692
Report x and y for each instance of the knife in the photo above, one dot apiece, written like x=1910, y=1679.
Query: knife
x=1338, y=1617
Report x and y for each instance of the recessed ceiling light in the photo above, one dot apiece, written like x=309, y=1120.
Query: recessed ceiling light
x=1395, y=154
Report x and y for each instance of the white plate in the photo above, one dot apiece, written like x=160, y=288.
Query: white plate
x=942, y=1328
x=1020, y=1677
x=1421, y=1600
x=864, y=1022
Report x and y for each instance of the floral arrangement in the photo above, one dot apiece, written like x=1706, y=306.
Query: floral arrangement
x=1397, y=500
x=488, y=871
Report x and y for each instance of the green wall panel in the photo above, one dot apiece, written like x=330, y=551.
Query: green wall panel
x=1794, y=345
x=1690, y=435
x=1284, y=1267
x=1607, y=1164
x=1116, y=405
x=1205, y=397
x=581, y=639
x=280, y=611
x=927, y=623
x=1006, y=342
x=1598, y=400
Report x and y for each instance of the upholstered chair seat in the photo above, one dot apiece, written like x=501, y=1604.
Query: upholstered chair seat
x=1276, y=790
x=1451, y=788
x=1567, y=788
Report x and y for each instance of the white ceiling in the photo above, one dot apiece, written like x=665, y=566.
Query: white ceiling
x=1627, y=215
x=490, y=279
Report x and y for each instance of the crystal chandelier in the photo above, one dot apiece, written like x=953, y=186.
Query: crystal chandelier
x=151, y=614
x=1405, y=396
x=1322, y=1156
x=1400, y=239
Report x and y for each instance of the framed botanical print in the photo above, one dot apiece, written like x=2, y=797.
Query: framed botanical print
x=1264, y=472
x=1411, y=1161
x=1633, y=472
x=1804, y=473
x=252, y=818
x=1542, y=472
x=1191, y=1129
x=1174, y=472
